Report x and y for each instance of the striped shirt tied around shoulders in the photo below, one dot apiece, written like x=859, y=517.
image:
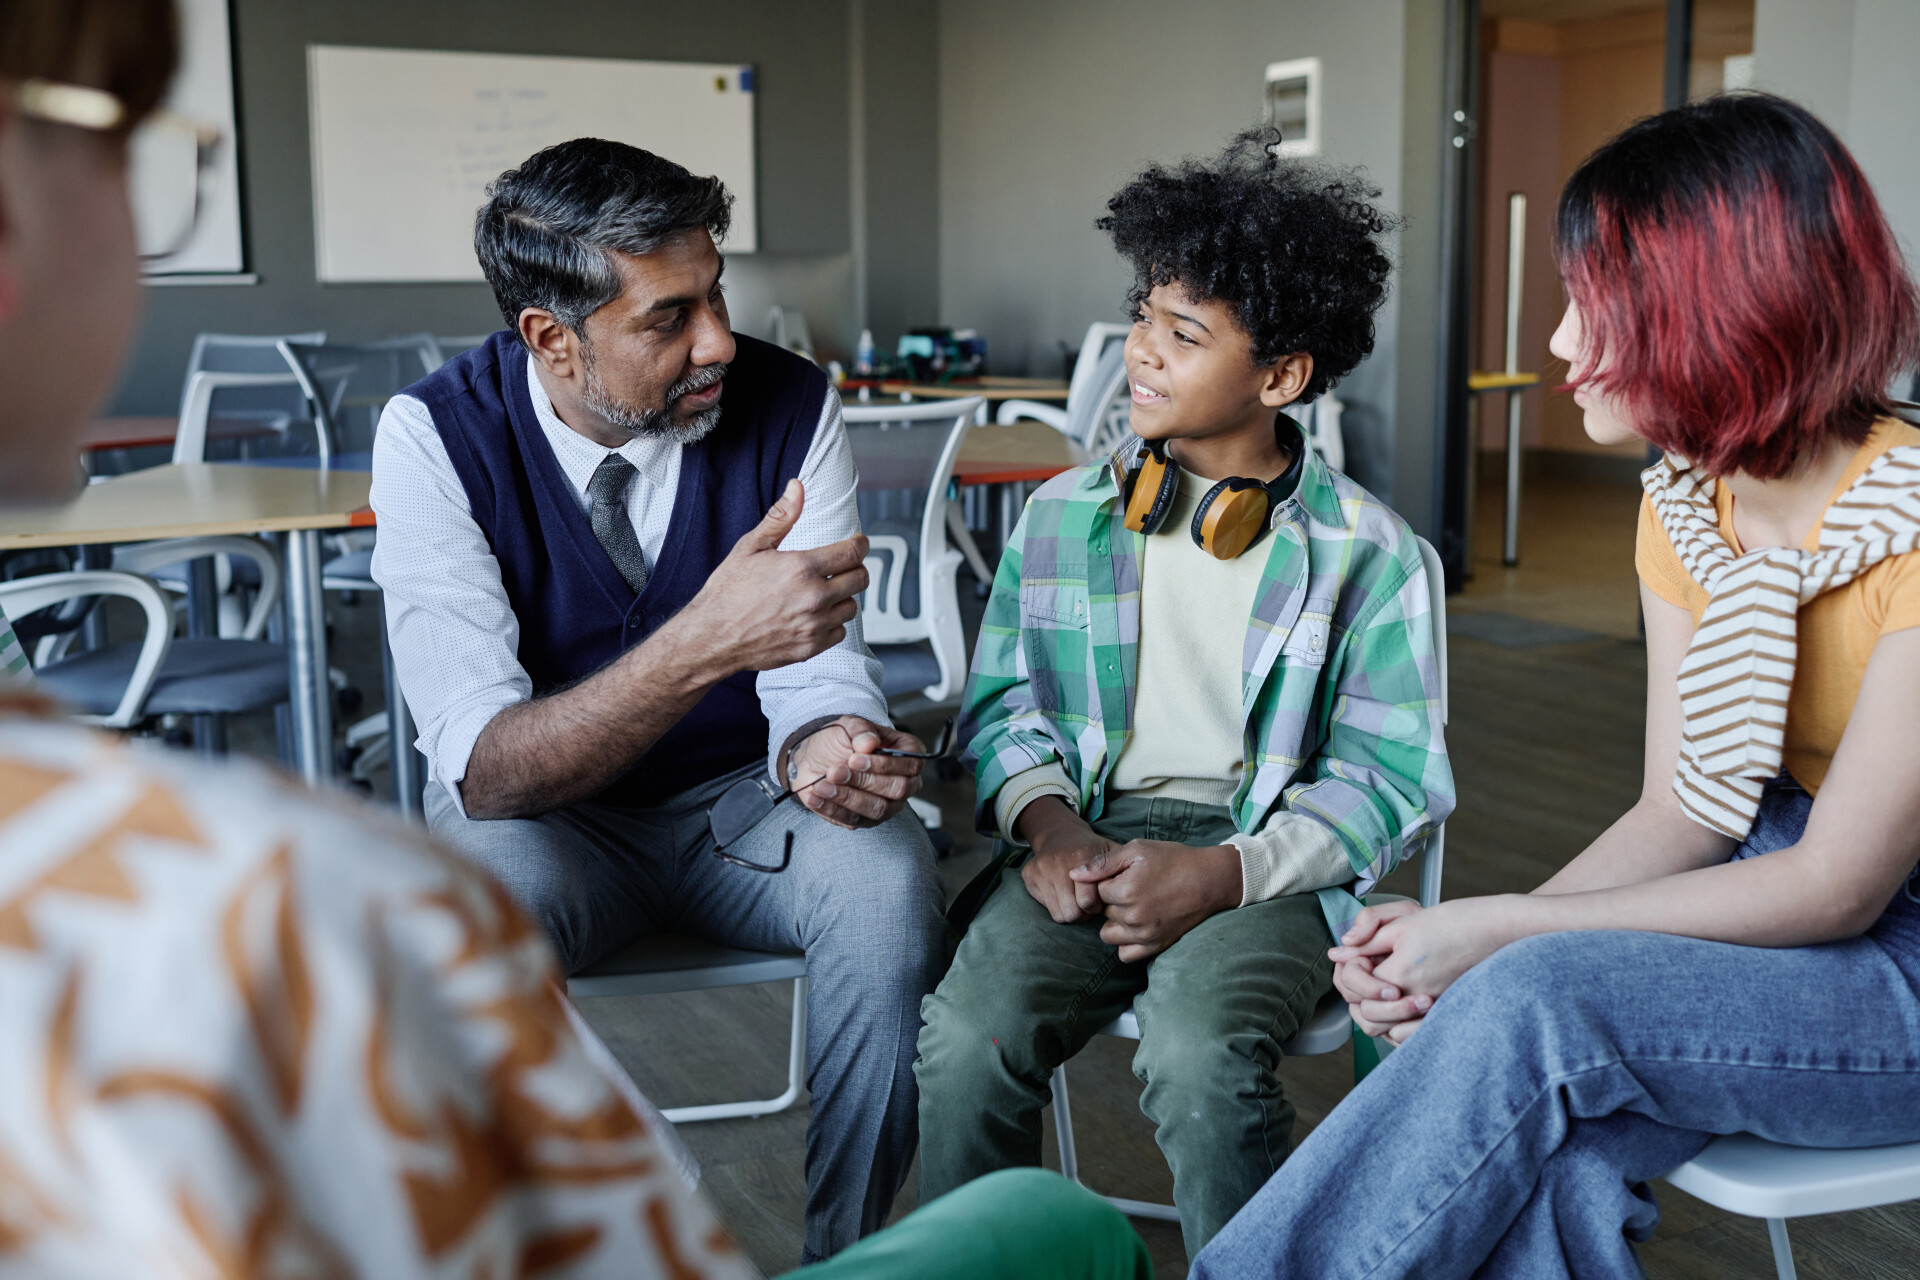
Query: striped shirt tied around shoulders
x=1738, y=672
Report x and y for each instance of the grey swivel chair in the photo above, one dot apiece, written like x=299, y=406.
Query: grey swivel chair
x=125, y=683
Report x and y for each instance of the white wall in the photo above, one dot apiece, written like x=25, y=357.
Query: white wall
x=1852, y=63
x=1047, y=109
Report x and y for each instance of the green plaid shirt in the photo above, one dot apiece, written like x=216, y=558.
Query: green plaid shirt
x=13, y=659
x=1341, y=689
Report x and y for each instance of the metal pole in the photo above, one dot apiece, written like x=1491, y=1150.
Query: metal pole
x=1516, y=257
x=312, y=700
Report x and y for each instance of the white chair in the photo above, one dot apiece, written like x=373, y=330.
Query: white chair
x=905, y=454
x=119, y=685
x=253, y=380
x=1322, y=421
x=665, y=963
x=1330, y=1026
x=1099, y=403
x=1759, y=1179
x=1101, y=336
x=25, y=595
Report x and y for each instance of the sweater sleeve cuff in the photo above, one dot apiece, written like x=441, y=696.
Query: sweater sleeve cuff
x=1023, y=788
x=1290, y=854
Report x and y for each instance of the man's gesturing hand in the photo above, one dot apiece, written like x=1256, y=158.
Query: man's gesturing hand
x=1156, y=890
x=840, y=775
x=765, y=608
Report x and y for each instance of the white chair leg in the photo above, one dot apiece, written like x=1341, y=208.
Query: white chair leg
x=1782, y=1250
x=796, y=1076
x=1063, y=1126
x=963, y=540
x=1070, y=1159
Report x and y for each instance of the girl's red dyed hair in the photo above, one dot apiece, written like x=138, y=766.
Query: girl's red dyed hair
x=1739, y=287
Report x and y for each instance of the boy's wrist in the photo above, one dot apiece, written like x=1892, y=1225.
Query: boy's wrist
x=1045, y=820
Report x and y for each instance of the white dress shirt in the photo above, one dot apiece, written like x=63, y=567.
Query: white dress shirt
x=454, y=637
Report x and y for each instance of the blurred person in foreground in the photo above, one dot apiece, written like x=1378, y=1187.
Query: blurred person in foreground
x=246, y=1030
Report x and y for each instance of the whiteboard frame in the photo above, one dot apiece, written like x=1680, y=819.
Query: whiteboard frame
x=742, y=237
x=204, y=90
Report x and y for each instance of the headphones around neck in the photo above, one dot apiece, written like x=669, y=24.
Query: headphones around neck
x=1232, y=516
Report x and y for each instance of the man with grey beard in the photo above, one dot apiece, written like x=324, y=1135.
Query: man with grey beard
x=620, y=555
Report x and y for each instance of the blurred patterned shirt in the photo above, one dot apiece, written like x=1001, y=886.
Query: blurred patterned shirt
x=245, y=1030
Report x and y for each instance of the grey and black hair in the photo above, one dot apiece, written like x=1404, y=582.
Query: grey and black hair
x=544, y=235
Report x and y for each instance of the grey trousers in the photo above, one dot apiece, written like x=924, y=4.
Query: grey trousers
x=865, y=906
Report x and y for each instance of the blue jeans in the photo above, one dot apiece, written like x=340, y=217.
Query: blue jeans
x=1515, y=1134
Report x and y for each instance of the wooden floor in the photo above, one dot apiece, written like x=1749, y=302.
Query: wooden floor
x=1546, y=748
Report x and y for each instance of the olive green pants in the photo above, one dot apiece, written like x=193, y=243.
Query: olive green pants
x=1025, y=994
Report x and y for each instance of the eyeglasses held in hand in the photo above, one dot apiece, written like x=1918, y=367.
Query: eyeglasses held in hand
x=746, y=804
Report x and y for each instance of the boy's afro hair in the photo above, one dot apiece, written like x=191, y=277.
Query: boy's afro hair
x=1290, y=245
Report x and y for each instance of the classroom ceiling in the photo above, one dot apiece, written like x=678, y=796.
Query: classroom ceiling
x=1562, y=10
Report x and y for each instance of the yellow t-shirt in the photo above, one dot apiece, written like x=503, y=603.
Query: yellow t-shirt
x=1837, y=629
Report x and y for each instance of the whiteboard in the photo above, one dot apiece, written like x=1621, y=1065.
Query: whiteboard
x=203, y=92
x=405, y=142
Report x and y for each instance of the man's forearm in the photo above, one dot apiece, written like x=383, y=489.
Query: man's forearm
x=567, y=746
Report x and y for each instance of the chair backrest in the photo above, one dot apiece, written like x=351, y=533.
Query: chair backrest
x=1099, y=419
x=446, y=347
x=239, y=389
x=905, y=454
x=244, y=352
x=1437, y=610
x=351, y=382
x=1101, y=336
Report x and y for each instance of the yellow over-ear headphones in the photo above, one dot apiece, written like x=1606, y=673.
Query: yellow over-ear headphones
x=1232, y=516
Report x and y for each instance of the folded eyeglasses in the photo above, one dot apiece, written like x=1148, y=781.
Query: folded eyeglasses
x=746, y=804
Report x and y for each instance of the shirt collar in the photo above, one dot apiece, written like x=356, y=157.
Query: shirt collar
x=579, y=457
x=1315, y=495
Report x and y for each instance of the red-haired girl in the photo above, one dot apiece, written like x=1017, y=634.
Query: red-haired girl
x=1737, y=299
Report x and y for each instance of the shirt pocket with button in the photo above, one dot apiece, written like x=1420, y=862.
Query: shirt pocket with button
x=1312, y=633
x=1056, y=635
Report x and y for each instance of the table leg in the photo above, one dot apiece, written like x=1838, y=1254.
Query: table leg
x=307, y=658
x=93, y=631
x=403, y=762
x=203, y=620
x=1510, y=545
x=963, y=540
x=1012, y=498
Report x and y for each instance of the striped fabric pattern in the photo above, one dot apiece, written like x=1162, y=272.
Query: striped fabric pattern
x=14, y=669
x=1739, y=669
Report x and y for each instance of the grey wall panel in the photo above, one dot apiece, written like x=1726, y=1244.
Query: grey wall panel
x=800, y=54
x=1046, y=109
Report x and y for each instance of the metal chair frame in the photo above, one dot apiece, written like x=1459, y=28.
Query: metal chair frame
x=665, y=963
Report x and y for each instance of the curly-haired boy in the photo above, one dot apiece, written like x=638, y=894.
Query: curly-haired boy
x=1203, y=711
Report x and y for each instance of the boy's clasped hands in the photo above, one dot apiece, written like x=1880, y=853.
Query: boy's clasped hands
x=1151, y=892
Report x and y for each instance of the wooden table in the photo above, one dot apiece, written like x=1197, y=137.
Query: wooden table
x=1010, y=455
x=1015, y=453
x=195, y=499
x=992, y=389
x=146, y=432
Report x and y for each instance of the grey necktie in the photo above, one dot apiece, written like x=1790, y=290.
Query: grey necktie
x=607, y=495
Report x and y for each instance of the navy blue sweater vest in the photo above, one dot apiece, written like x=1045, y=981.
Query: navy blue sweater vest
x=576, y=613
